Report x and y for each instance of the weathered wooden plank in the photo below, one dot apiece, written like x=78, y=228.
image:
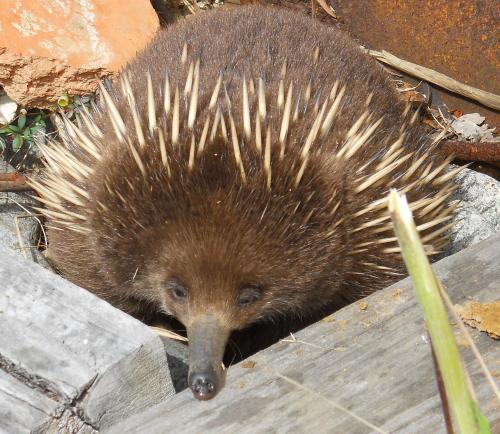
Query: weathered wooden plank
x=23, y=408
x=375, y=362
x=69, y=359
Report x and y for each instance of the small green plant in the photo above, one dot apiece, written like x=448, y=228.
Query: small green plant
x=21, y=132
x=64, y=100
x=70, y=105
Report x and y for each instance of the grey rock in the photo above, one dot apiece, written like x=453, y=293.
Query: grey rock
x=8, y=109
x=478, y=214
x=19, y=225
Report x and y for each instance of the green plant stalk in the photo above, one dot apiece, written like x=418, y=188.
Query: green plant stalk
x=463, y=407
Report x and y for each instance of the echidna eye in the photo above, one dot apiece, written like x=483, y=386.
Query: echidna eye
x=177, y=289
x=249, y=295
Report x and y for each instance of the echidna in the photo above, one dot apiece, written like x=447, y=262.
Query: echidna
x=236, y=172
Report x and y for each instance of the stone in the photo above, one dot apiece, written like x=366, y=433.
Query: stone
x=478, y=215
x=55, y=47
x=8, y=109
x=18, y=223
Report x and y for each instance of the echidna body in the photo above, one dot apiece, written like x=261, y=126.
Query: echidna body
x=238, y=171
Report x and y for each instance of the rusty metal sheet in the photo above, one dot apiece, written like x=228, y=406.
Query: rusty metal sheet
x=458, y=38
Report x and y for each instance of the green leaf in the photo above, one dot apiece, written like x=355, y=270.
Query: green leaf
x=484, y=425
x=35, y=129
x=21, y=122
x=5, y=130
x=41, y=123
x=14, y=129
x=17, y=142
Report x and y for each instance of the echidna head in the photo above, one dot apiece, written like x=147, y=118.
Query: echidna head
x=224, y=268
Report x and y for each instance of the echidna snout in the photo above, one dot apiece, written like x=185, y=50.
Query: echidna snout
x=238, y=172
x=207, y=339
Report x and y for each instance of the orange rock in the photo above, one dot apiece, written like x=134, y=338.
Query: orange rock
x=56, y=46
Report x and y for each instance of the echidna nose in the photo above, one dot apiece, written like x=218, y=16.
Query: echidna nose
x=203, y=385
x=207, y=342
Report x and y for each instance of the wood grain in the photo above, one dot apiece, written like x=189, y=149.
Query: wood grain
x=69, y=359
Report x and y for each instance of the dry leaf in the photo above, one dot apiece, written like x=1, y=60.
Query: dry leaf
x=483, y=316
x=327, y=8
x=396, y=294
x=248, y=364
x=457, y=113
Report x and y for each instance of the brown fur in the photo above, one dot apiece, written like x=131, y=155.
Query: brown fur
x=216, y=234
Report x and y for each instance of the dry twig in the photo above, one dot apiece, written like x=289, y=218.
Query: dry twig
x=486, y=98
